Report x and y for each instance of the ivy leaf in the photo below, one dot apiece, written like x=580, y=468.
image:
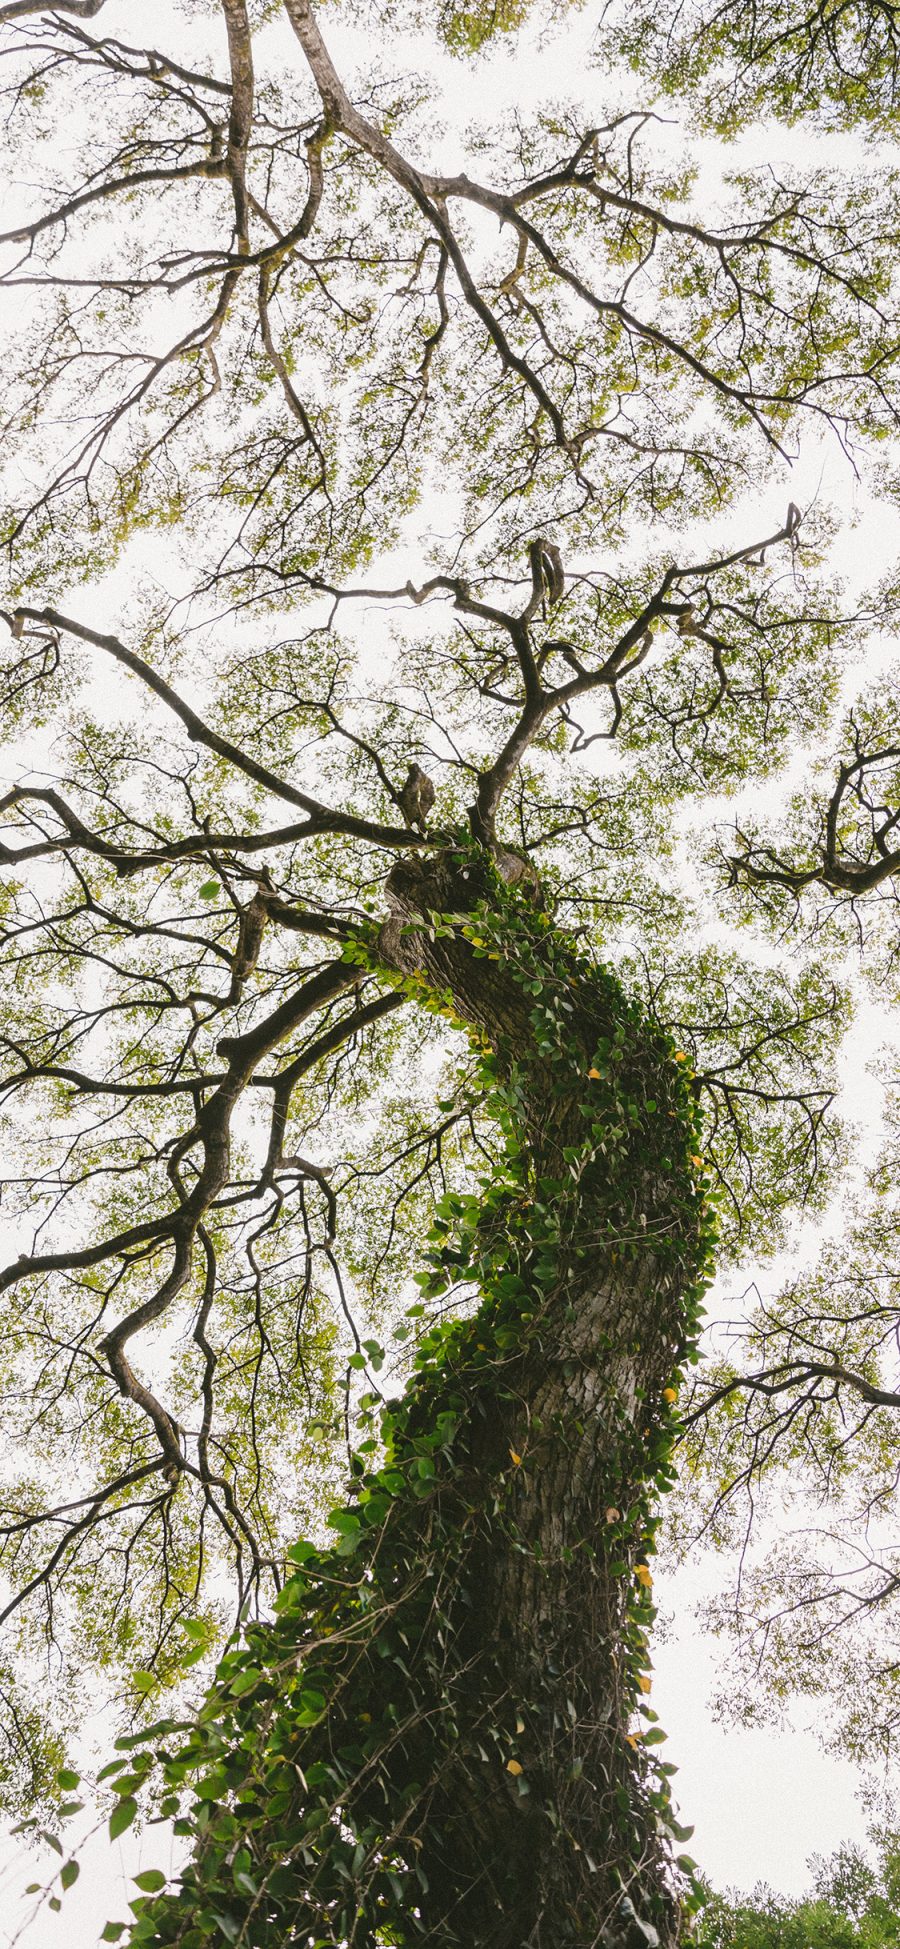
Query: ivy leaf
x=122, y=1816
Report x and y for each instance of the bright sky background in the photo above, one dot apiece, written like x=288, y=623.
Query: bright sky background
x=761, y=1801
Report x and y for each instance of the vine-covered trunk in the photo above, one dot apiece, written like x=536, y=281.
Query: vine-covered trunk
x=440, y=1739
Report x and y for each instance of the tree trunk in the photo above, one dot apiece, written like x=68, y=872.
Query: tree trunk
x=437, y=1741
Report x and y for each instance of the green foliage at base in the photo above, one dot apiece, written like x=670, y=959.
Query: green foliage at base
x=853, y=1905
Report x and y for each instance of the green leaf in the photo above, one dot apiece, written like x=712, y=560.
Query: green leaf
x=244, y=1682
x=301, y=1552
x=150, y=1880
x=122, y=1816
x=69, y=1873
x=197, y=1629
x=210, y=889
x=678, y=1832
x=343, y=1520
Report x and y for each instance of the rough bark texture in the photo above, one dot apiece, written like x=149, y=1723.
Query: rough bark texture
x=547, y=1605
x=478, y=1647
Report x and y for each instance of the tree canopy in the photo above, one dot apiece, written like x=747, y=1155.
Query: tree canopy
x=402, y=536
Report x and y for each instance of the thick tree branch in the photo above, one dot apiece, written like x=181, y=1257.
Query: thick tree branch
x=321, y=818
x=787, y=1375
x=240, y=121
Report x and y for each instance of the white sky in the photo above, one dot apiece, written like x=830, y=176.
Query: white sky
x=761, y=1801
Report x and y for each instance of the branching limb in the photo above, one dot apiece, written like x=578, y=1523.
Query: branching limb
x=321, y=818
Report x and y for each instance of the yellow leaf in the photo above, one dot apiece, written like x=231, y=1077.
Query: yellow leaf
x=595, y=1073
x=670, y=1393
x=631, y=1740
x=698, y=1161
x=680, y=1056
x=515, y=1459
x=644, y=1682
x=643, y=1575
x=513, y=1767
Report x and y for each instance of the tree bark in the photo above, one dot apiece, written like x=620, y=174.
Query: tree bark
x=571, y=1402
x=489, y=1622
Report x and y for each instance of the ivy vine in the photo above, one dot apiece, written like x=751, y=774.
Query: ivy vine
x=359, y=1755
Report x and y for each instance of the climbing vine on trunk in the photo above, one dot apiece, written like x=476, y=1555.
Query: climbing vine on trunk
x=444, y=1733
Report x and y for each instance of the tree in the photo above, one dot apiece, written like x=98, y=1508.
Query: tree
x=852, y=1905
x=833, y=60
x=246, y=878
